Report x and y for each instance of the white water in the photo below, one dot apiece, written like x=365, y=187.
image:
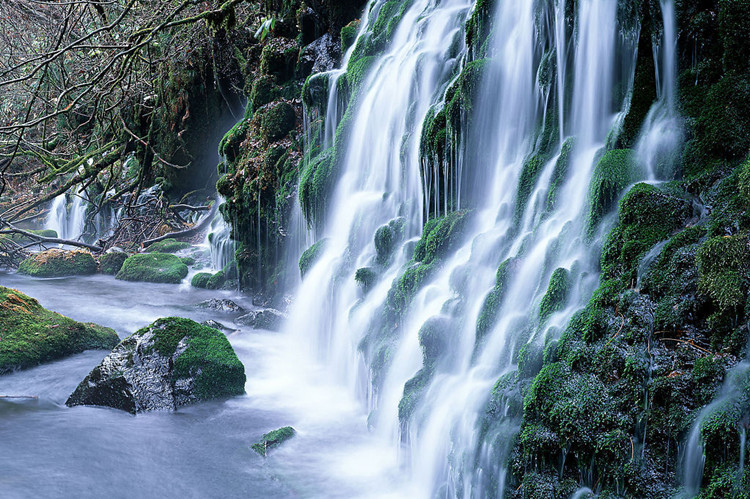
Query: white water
x=662, y=131
x=219, y=241
x=68, y=217
x=439, y=444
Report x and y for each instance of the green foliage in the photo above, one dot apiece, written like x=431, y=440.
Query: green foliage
x=31, y=335
x=311, y=255
x=559, y=175
x=349, y=35
x=278, y=120
x=613, y=172
x=724, y=266
x=491, y=305
x=58, y=263
x=315, y=183
x=273, y=439
x=366, y=277
x=111, y=263
x=532, y=168
x=153, y=267
x=201, y=280
x=557, y=294
x=167, y=246
x=386, y=239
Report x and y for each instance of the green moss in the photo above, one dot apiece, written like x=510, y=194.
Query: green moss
x=315, y=183
x=386, y=239
x=273, y=439
x=366, y=277
x=532, y=168
x=153, y=267
x=311, y=255
x=111, y=263
x=30, y=334
x=724, y=266
x=167, y=246
x=217, y=280
x=491, y=305
x=559, y=175
x=207, y=357
x=278, y=120
x=349, y=35
x=261, y=93
x=613, y=172
x=557, y=294
x=58, y=263
x=201, y=280
x=187, y=260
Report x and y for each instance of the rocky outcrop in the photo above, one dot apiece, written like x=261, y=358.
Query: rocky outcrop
x=268, y=319
x=171, y=363
x=273, y=439
x=31, y=334
x=221, y=306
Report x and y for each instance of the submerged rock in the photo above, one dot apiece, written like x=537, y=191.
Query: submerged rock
x=273, y=439
x=31, y=334
x=269, y=319
x=171, y=363
x=221, y=306
x=153, y=267
x=216, y=325
x=59, y=263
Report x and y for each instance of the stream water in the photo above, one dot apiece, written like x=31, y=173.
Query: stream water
x=50, y=450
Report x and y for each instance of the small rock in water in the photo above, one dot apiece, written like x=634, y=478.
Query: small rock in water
x=216, y=325
x=273, y=439
x=171, y=363
x=221, y=305
x=269, y=319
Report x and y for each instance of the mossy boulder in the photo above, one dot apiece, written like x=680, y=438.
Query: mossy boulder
x=273, y=439
x=310, y=256
x=31, y=334
x=168, y=364
x=201, y=280
x=111, y=263
x=167, y=246
x=153, y=267
x=58, y=263
x=613, y=173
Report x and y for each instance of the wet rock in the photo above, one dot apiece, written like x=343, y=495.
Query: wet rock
x=269, y=319
x=111, y=262
x=216, y=325
x=171, y=363
x=273, y=439
x=58, y=263
x=153, y=267
x=321, y=55
x=221, y=306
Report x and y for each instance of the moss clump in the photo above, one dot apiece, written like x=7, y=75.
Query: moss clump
x=30, y=334
x=316, y=181
x=167, y=246
x=153, y=267
x=366, y=277
x=613, y=172
x=724, y=266
x=349, y=35
x=279, y=58
x=493, y=301
x=386, y=239
x=310, y=256
x=201, y=280
x=273, y=439
x=532, y=168
x=111, y=263
x=557, y=294
x=278, y=120
x=559, y=175
x=217, y=280
x=58, y=263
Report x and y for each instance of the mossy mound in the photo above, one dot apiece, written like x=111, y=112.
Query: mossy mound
x=310, y=256
x=30, y=334
x=273, y=439
x=613, y=172
x=167, y=246
x=111, y=263
x=170, y=363
x=153, y=267
x=201, y=280
x=58, y=263
x=278, y=120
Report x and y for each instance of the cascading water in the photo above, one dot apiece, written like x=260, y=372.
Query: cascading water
x=68, y=221
x=554, y=91
x=219, y=241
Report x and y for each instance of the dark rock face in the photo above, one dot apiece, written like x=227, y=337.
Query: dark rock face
x=171, y=363
x=221, y=306
x=269, y=319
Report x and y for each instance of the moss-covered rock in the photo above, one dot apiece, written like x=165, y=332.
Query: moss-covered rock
x=613, y=172
x=30, y=334
x=311, y=255
x=58, y=263
x=167, y=246
x=171, y=363
x=557, y=293
x=273, y=439
x=111, y=263
x=201, y=280
x=153, y=267
x=277, y=121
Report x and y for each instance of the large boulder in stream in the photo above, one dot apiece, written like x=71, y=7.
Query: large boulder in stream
x=171, y=363
x=58, y=263
x=153, y=267
x=31, y=334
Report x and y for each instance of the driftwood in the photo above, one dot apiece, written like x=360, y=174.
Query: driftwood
x=205, y=221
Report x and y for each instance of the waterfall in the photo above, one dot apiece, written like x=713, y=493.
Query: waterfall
x=68, y=219
x=661, y=134
x=219, y=241
x=553, y=91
